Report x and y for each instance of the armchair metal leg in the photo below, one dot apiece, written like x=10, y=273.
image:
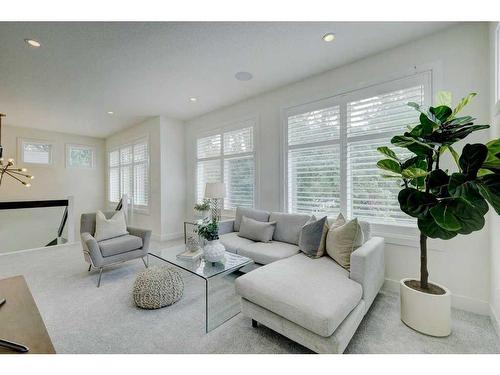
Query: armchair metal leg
x=145, y=261
x=90, y=267
x=254, y=323
x=99, y=281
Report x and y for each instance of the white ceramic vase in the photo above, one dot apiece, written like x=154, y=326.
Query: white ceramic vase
x=214, y=251
x=424, y=312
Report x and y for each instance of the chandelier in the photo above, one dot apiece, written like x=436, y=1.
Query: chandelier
x=19, y=174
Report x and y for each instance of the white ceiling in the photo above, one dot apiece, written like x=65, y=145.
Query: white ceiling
x=139, y=70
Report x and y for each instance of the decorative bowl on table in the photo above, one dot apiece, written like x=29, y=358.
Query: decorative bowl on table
x=214, y=251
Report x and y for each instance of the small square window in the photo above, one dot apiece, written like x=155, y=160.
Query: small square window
x=36, y=152
x=79, y=156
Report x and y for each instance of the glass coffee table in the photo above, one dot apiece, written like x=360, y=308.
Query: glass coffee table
x=221, y=301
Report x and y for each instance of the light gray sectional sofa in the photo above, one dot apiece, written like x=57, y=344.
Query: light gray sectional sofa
x=314, y=302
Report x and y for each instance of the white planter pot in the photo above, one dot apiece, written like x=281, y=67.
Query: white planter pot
x=214, y=251
x=424, y=312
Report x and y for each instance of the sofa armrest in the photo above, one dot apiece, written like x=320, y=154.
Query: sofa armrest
x=226, y=226
x=91, y=249
x=145, y=234
x=368, y=268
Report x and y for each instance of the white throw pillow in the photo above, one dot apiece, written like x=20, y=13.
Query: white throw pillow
x=256, y=230
x=109, y=228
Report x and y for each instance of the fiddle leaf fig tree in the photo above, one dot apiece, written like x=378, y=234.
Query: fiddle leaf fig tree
x=445, y=203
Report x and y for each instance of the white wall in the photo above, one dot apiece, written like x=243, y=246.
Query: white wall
x=166, y=145
x=460, y=62
x=23, y=229
x=495, y=219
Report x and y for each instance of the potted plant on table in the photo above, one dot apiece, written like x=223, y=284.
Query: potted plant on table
x=213, y=250
x=202, y=209
x=445, y=204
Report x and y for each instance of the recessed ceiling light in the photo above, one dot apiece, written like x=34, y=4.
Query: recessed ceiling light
x=243, y=76
x=330, y=37
x=193, y=99
x=110, y=113
x=33, y=43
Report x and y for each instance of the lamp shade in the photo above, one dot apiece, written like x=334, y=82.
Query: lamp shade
x=215, y=190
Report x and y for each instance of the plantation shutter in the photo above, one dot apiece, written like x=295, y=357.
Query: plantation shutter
x=239, y=168
x=141, y=174
x=129, y=173
x=37, y=152
x=314, y=161
x=371, y=123
x=208, y=171
x=114, y=176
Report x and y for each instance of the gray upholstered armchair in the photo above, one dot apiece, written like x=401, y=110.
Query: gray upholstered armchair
x=114, y=250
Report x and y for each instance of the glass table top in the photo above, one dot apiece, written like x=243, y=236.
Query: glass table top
x=206, y=270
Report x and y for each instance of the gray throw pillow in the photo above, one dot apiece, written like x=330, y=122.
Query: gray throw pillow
x=256, y=230
x=313, y=237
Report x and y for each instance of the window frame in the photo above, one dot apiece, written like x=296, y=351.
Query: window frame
x=496, y=72
x=142, y=209
x=21, y=143
x=243, y=123
x=69, y=147
x=424, y=77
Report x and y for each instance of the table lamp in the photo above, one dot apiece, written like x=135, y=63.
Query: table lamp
x=215, y=191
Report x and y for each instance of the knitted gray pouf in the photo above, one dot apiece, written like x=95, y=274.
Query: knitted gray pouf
x=158, y=287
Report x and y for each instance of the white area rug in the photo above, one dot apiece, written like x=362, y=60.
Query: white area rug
x=81, y=318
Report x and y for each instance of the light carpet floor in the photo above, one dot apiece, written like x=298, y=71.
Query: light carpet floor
x=81, y=318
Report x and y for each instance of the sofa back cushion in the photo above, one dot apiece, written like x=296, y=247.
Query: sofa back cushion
x=251, y=213
x=256, y=230
x=288, y=226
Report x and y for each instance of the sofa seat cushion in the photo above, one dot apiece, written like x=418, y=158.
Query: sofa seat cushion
x=316, y=294
x=268, y=252
x=232, y=242
x=118, y=245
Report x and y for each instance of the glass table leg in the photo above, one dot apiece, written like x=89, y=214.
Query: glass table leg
x=222, y=302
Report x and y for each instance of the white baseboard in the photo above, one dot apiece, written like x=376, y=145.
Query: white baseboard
x=495, y=321
x=167, y=236
x=457, y=301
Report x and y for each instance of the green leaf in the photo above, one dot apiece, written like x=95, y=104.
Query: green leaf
x=472, y=159
x=492, y=161
x=444, y=98
x=414, y=105
x=460, y=187
x=427, y=126
x=430, y=228
x=462, y=103
x=416, y=161
x=489, y=187
x=390, y=176
x=389, y=165
x=388, y=152
x=415, y=146
x=415, y=203
x=455, y=155
x=438, y=183
x=442, y=112
x=459, y=121
x=494, y=147
x=413, y=172
x=445, y=217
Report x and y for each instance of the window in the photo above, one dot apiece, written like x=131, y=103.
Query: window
x=79, y=156
x=331, y=151
x=229, y=157
x=129, y=173
x=36, y=152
